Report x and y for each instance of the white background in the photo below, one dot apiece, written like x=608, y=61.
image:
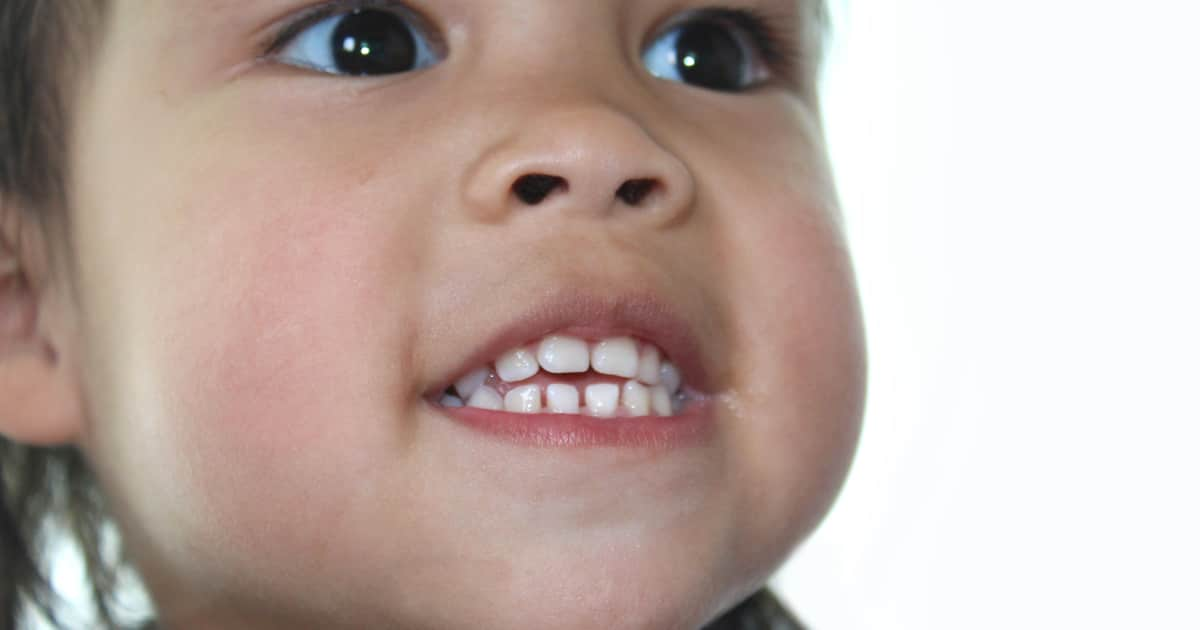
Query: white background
x=1020, y=180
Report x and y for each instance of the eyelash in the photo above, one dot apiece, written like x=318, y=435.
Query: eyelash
x=294, y=26
x=774, y=36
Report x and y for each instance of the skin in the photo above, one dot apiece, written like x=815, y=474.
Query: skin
x=271, y=266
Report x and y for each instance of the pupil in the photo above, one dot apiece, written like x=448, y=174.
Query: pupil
x=373, y=42
x=708, y=56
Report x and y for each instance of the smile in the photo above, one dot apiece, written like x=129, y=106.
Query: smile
x=613, y=377
x=582, y=368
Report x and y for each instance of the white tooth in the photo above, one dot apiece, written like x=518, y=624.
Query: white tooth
x=449, y=400
x=616, y=356
x=648, y=365
x=660, y=400
x=601, y=399
x=516, y=365
x=527, y=399
x=668, y=374
x=563, y=355
x=467, y=385
x=635, y=399
x=562, y=398
x=486, y=398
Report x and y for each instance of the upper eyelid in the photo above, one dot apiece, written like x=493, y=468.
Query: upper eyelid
x=293, y=25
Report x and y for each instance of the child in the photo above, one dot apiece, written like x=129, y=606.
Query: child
x=371, y=314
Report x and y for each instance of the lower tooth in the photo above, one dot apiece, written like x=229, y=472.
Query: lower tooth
x=601, y=399
x=486, y=398
x=449, y=400
x=562, y=398
x=527, y=399
x=660, y=400
x=635, y=399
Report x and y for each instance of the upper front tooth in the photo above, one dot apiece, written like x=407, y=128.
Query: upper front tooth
x=516, y=365
x=563, y=355
x=617, y=356
x=648, y=365
x=467, y=385
x=527, y=399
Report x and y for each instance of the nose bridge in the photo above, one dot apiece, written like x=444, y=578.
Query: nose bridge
x=585, y=158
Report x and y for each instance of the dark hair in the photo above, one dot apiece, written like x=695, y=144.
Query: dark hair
x=46, y=492
x=49, y=492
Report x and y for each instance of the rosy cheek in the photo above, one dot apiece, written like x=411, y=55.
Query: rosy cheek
x=273, y=368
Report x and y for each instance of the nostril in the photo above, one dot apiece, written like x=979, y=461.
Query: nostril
x=635, y=191
x=533, y=189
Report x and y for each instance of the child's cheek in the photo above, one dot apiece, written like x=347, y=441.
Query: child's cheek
x=281, y=345
x=272, y=315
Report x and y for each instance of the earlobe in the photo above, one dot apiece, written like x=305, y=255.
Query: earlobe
x=39, y=403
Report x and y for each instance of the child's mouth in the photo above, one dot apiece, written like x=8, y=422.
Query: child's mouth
x=614, y=377
x=586, y=371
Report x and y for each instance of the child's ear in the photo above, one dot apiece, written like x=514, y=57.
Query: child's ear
x=40, y=403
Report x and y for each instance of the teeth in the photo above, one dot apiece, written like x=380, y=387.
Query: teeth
x=527, y=399
x=486, y=398
x=561, y=398
x=516, y=365
x=601, y=399
x=648, y=365
x=467, y=385
x=668, y=375
x=563, y=355
x=616, y=356
x=651, y=384
x=660, y=401
x=635, y=399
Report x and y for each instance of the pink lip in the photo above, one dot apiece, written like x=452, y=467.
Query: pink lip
x=691, y=426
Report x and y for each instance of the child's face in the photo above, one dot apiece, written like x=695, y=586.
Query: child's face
x=282, y=271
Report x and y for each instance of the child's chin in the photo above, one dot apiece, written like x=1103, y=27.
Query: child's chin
x=591, y=598
x=630, y=584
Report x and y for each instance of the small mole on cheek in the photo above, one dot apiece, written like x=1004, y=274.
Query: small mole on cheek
x=365, y=175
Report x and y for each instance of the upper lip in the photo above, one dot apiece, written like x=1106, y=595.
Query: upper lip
x=581, y=313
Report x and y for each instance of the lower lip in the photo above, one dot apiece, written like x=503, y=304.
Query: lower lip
x=692, y=426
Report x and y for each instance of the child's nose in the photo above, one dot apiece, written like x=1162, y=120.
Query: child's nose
x=590, y=161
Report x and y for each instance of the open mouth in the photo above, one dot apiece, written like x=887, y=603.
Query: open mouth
x=584, y=368
x=611, y=377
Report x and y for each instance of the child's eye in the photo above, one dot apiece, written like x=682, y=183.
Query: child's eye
x=361, y=42
x=716, y=49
